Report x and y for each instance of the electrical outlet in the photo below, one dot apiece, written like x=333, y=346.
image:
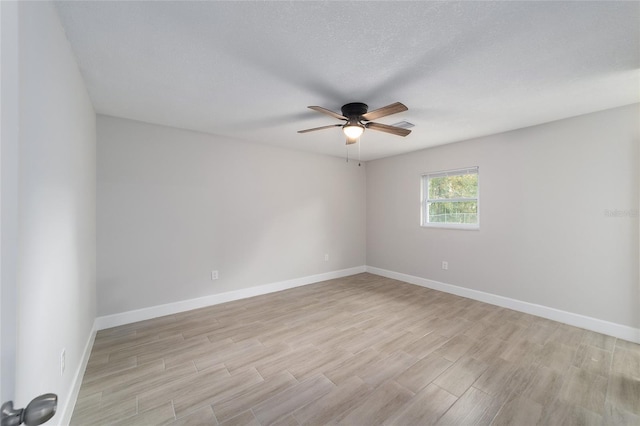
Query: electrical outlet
x=326, y=257
x=63, y=361
x=214, y=275
x=445, y=265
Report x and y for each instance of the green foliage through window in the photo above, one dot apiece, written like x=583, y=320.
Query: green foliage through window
x=462, y=186
x=451, y=198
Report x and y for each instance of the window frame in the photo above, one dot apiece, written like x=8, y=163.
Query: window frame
x=425, y=200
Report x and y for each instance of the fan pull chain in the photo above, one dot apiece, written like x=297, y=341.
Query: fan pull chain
x=359, y=143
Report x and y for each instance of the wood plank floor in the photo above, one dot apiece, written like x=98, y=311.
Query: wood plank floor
x=361, y=350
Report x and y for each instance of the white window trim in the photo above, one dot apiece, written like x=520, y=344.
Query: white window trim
x=424, y=179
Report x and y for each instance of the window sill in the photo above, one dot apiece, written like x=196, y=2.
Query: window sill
x=451, y=226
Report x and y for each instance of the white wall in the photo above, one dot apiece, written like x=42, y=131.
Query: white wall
x=173, y=205
x=56, y=208
x=8, y=197
x=544, y=237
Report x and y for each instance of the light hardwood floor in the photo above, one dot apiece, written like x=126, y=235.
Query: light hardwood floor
x=361, y=350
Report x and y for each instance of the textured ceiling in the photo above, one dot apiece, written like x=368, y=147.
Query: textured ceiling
x=248, y=70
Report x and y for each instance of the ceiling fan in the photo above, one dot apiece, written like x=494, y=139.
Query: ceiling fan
x=357, y=119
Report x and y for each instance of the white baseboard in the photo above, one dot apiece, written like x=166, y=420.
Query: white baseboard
x=600, y=326
x=589, y=323
x=67, y=411
x=115, y=320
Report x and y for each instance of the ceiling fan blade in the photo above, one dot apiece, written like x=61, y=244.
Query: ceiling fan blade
x=384, y=111
x=319, y=128
x=399, y=131
x=351, y=140
x=328, y=112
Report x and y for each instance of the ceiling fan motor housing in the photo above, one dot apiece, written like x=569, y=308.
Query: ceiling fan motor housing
x=354, y=109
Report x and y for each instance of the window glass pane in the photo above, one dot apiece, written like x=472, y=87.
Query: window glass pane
x=453, y=212
x=450, y=198
x=459, y=186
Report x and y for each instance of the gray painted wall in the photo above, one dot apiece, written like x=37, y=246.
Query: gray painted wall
x=173, y=205
x=55, y=238
x=544, y=236
x=8, y=198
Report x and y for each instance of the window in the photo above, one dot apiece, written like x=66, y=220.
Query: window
x=450, y=199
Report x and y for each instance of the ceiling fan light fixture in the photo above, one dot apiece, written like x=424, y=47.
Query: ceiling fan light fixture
x=353, y=130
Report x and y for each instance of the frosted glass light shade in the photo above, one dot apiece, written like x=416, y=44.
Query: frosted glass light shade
x=353, y=131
